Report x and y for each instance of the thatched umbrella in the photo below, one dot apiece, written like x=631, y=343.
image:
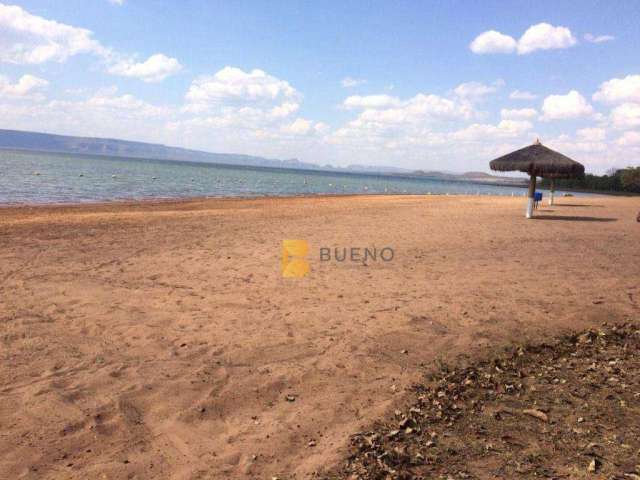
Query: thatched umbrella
x=538, y=161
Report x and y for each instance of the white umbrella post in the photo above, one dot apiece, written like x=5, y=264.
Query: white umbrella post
x=552, y=190
x=532, y=194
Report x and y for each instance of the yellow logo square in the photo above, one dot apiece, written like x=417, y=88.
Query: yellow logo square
x=294, y=265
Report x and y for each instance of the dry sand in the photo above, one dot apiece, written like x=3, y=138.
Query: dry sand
x=160, y=340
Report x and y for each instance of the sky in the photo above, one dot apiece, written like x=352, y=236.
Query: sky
x=418, y=85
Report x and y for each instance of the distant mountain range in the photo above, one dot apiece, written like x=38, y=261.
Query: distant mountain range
x=476, y=177
x=46, y=142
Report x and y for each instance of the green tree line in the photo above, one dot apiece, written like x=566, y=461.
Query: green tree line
x=622, y=180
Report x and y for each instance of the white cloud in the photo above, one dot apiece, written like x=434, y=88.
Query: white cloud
x=349, y=82
x=589, y=37
x=493, y=42
x=27, y=87
x=103, y=113
x=420, y=108
x=234, y=87
x=285, y=109
x=485, y=132
x=117, y=2
x=302, y=126
x=403, y=128
x=29, y=39
x=617, y=90
x=299, y=126
x=371, y=101
x=385, y=113
x=580, y=148
x=246, y=111
x=126, y=102
x=629, y=139
x=155, y=69
x=598, y=154
x=594, y=134
x=321, y=127
x=626, y=116
x=522, y=95
x=514, y=114
x=475, y=90
x=542, y=36
x=399, y=127
x=571, y=105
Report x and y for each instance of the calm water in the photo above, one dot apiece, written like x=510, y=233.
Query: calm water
x=27, y=177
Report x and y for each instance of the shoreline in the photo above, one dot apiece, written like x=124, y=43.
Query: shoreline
x=187, y=200
x=178, y=200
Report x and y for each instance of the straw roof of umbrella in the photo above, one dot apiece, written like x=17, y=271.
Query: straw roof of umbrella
x=540, y=161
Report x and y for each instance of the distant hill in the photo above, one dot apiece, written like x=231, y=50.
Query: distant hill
x=476, y=177
x=123, y=148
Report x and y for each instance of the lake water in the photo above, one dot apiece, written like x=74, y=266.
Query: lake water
x=31, y=177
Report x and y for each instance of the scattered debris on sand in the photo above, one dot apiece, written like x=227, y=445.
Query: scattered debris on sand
x=568, y=409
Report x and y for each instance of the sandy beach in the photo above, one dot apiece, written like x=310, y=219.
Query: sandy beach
x=159, y=340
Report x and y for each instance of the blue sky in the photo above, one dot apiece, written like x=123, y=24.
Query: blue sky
x=425, y=85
